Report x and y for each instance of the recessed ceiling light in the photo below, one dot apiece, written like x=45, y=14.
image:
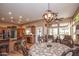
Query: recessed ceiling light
x=11, y=17
x=2, y=18
x=20, y=16
x=9, y=13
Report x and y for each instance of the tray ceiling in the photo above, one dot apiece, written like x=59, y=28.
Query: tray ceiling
x=33, y=11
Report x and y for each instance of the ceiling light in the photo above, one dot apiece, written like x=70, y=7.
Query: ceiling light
x=11, y=17
x=20, y=16
x=49, y=15
x=2, y=18
x=9, y=13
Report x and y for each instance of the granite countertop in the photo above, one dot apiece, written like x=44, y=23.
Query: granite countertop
x=48, y=49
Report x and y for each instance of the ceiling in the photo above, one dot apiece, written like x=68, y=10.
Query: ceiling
x=13, y=12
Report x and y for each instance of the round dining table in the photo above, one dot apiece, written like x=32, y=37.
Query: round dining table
x=48, y=49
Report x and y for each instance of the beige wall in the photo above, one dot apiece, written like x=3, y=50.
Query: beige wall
x=38, y=23
x=6, y=24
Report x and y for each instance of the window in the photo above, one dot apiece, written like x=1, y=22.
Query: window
x=50, y=31
x=63, y=24
x=39, y=31
x=54, y=25
x=55, y=32
x=28, y=31
x=64, y=29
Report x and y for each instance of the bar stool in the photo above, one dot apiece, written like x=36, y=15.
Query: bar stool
x=1, y=52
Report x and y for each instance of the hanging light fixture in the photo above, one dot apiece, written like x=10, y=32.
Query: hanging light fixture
x=49, y=15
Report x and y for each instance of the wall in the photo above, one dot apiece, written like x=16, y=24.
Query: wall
x=6, y=24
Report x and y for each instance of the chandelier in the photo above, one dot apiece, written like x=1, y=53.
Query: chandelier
x=49, y=15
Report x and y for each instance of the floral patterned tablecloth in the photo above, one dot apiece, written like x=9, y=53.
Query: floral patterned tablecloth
x=41, y=49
